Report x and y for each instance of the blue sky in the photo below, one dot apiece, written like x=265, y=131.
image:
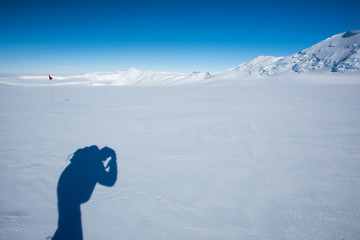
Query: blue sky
x=84, y=36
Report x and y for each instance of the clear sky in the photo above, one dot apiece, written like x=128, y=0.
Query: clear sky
x=62, y=36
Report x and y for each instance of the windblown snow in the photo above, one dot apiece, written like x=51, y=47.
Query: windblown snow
x=220, y=157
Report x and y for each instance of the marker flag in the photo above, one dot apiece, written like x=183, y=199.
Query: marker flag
x=52, y=94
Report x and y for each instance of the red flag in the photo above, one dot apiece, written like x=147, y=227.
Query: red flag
x=50, y=78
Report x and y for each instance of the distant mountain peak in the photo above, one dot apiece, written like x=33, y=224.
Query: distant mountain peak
x=132, y=69
x=350, y=34
x=339, y=53
x=201, y=74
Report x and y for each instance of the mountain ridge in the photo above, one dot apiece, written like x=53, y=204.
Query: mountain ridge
x=337, y=54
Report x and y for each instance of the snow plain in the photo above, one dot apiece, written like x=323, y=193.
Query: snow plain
x=275, y=158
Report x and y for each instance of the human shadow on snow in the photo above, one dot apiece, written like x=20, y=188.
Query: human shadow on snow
x=77, y=183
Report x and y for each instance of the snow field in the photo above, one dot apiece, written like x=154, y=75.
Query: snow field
x=266, y=160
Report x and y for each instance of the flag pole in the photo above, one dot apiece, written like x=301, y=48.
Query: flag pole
x=52, y=94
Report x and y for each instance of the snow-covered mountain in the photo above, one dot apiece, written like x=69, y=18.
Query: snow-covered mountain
x=144, y=78
x=131, y=77
x=339, y=53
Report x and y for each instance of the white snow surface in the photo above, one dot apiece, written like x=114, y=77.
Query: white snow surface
x=274, y=158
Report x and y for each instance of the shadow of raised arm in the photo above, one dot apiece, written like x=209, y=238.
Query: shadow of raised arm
x=108, y=178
